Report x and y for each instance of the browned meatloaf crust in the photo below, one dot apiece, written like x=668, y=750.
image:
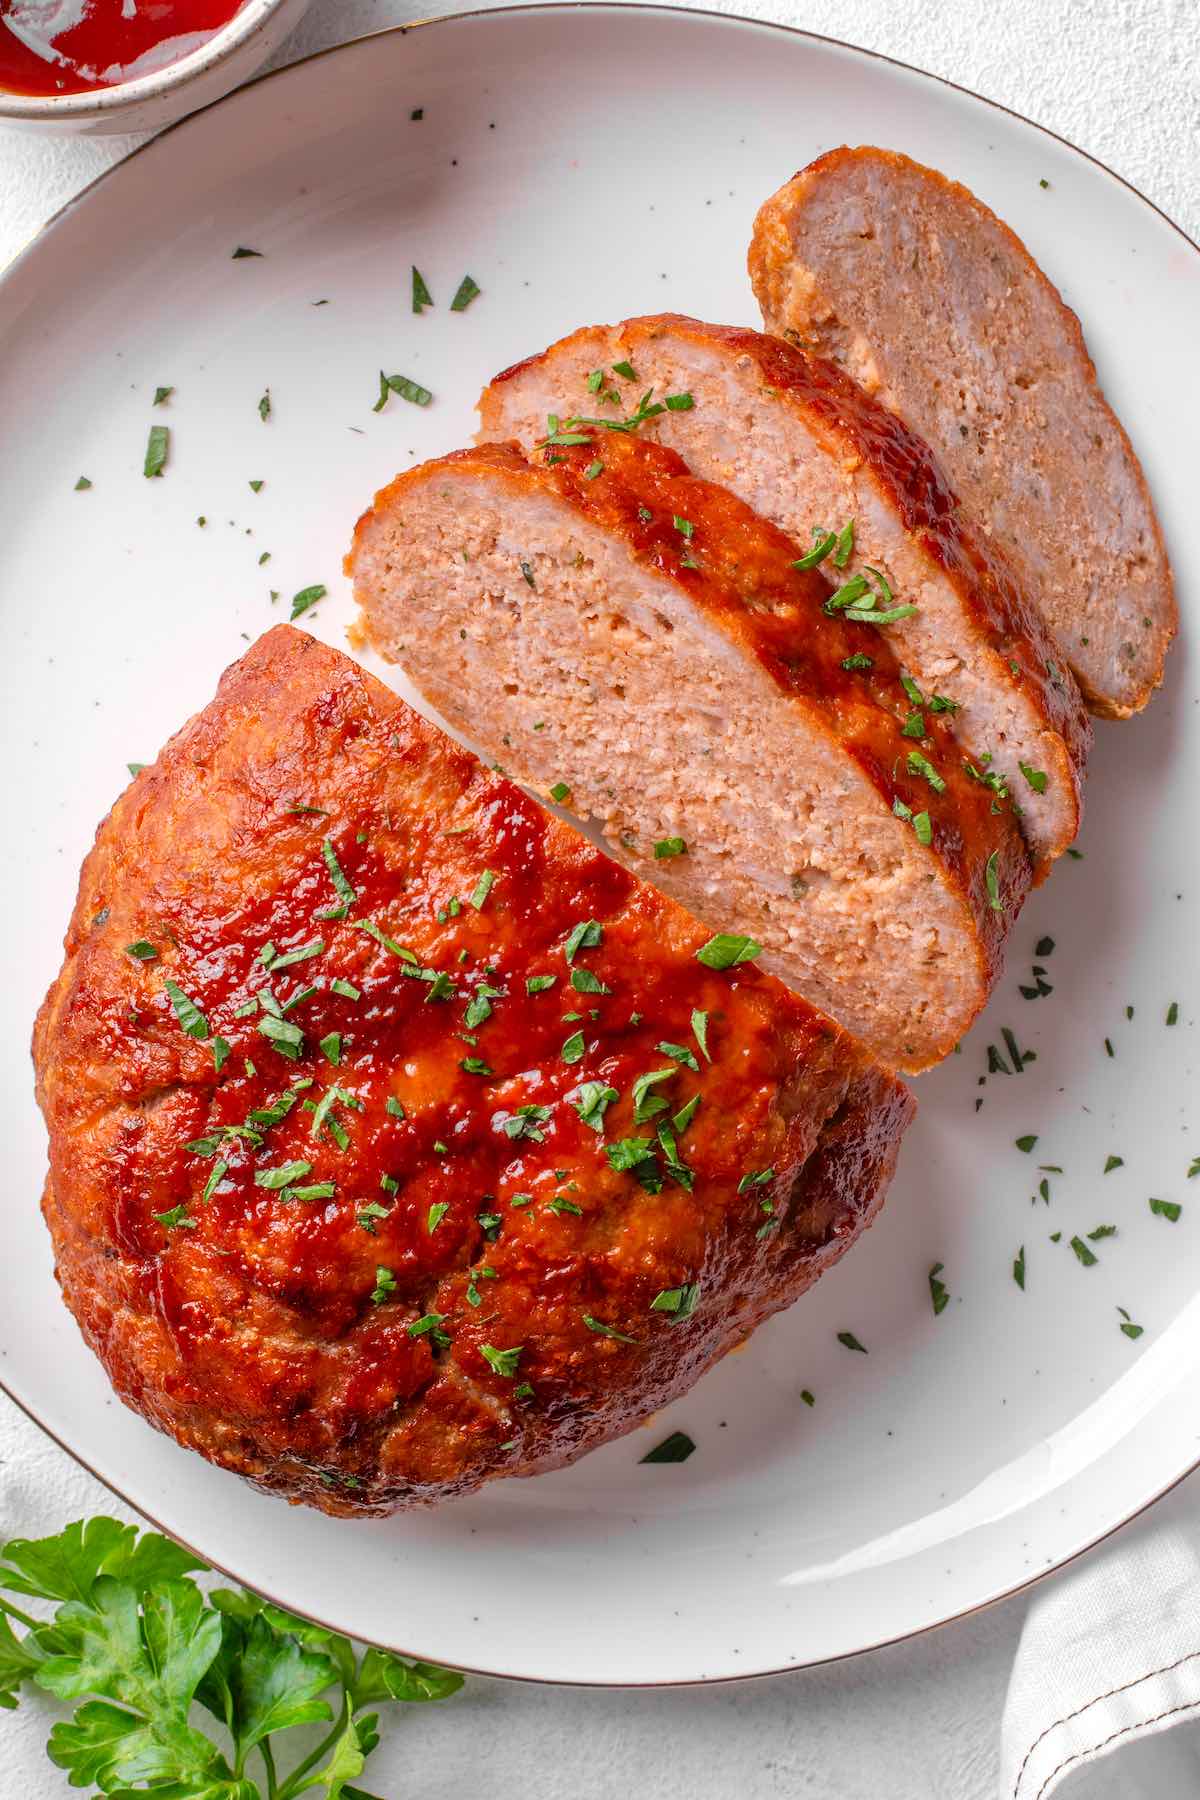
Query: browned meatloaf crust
x=337, y=1199
x=602, y=621
x=800, y=442
x=930, y=302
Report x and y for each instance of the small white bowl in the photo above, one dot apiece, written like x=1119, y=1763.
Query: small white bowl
x=151, y=101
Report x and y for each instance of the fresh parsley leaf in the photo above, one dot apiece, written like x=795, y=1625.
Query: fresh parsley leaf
x=726, y=949
x=502, y=1362
x=305, y=598
x=468, y=290
x=674, y=1449
x=668, y=847
x=590, y=1102
x=849, y=1342
x=938, y=1292
x=421, y=296
x=187, y=1012
x=157, y=446
x=1167, y=1209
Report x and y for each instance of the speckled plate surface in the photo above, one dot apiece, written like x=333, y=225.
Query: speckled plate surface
x=585, y=164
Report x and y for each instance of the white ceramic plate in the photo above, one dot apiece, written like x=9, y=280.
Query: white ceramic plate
x=585, y=164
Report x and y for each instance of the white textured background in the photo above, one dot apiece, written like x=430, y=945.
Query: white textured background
x=1120, y=78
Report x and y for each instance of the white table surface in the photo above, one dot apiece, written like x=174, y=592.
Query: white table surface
x=1120, y=78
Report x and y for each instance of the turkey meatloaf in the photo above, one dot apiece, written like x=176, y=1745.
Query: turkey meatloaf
x=639, y=643
x=796, y=439
x=930, y=302
x=398, y=1138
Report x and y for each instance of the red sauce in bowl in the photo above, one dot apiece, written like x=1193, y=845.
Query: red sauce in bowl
x=50, y=47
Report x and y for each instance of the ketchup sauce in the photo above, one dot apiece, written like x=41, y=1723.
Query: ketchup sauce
x=76, y=46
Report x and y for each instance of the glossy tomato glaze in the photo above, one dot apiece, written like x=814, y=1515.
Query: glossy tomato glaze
x=271, y=1327
x=739, y=567
x=102, y=48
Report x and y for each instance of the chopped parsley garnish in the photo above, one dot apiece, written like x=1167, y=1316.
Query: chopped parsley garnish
x=385, y=1284
x=584, y=936
x=216, y=1177
x=256, y=487
x=757, y=1178
x=524, y=1123
x=680, y=1302
x=475, y=1065
x=331, y=1047
x=1035, y=777
x=187, y=1012
x=479, y=1007
x=668, y=847
x=674, y=1449
x=381, y=938
x=625, y=370
x=824, y=542
x=572, y=1050
x=700, y=1032
x=82, y=485
x=162, y=395
x=636, y=1156
x=539, y=984
x=560, y=1204
x=307, y=597
x=726, y=949
x=1113, y=1162
x=590, y=474
x=920, y=765
x=591, y=1101
x=679, y=1053
x=287, y=1038
x=602, y=1329
x=684, y=527
x=845, y=545
x=992, y=882
x=315, y=947
x=346, y=989
x=848, y=1340
x=284, y=1176
x=560, y=792
x=858, y=661
x=1166, y=1209
x=1173, y=1013
x=503, y=1362
x=421, y=296
x=1127, y=1325
x=242, y=251
x=920, y=822
x=482, y=889
x=1086, y=1256
x=685, y=1115
x=468, y=289
x=939, y=1294
x=645, y=1102
x=142, y=951
x=157, y=446
x=1018, y=1268
x=1101, y=1231
x=409, y=390
x=1027, y=1143
x=370, y=1215
x=220, y=1050
x=264, y=406
x=584, y=982
x=436, y=1214
x=176, y=1216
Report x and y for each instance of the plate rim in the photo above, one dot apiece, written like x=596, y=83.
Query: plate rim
x=565, y=8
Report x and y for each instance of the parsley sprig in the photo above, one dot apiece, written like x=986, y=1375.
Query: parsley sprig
x=136, y=1645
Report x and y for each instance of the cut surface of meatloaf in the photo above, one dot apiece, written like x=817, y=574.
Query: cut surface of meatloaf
x=620, y=633
x=399, y=1139
x=798, y=441
x=933, y=305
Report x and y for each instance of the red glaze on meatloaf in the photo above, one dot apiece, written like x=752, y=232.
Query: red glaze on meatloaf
x=356, y=1184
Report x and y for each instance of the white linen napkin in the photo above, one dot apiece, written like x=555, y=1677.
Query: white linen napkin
x=1109, y=1662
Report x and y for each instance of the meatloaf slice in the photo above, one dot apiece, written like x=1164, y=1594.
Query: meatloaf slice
x=398, y=1138
x=621, y=634
x=930, y=302
x=798, y=441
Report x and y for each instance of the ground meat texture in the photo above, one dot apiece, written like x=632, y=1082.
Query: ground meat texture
x=934, y=306
x=796, y=439
x=620, y=633
x=409, y=1256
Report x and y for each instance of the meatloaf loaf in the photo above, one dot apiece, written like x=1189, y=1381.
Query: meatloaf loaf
x=398, y=1138
x=933, y=305
x=637, y=641
x=797, y=439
